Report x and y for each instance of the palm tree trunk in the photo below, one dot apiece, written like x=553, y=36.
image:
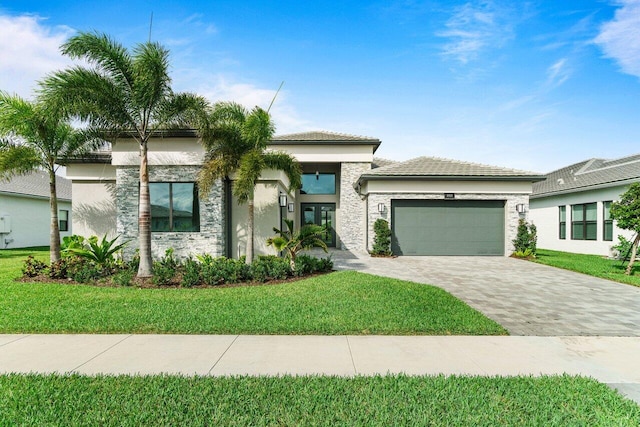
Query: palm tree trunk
x=54, y=229
x=145, y=269
x=249, y=259
x=634, y=250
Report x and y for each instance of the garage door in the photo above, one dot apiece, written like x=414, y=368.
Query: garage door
x=447, y=227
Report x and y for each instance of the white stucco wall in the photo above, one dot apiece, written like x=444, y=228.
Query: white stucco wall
x=94, y=207
x=545, y=215
x=30, y=221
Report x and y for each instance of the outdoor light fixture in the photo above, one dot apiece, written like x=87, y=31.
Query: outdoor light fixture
x=317, y=175
x=290, y=207
x=381, y=207
x=520, y=208
x=283, y=200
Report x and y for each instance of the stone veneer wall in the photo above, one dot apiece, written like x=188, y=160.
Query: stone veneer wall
x=352, y=224
x=511, y=220
x=209, y=240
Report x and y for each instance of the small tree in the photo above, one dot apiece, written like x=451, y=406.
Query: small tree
x=626, y=213
x=292, y=242
x=382, y=238
x=525, y=243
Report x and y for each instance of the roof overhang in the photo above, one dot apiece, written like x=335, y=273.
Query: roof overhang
x=375, y=143
x=585, y=188
x=522, y=178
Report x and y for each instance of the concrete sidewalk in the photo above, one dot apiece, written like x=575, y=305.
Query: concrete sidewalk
x=611, y=360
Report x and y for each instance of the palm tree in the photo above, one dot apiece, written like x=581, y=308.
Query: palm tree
x=32, y=137
x=236, y=142
x=124, y=92
x=291, y=241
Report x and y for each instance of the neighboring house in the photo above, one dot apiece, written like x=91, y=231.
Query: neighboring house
x=435, y=206
x=571, y=208
x=25, y=215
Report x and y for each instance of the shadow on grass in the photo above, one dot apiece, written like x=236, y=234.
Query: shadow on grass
x=23, y=252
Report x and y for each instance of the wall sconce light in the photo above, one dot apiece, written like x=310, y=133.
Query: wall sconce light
x=520, y=208
x=290, y=207
x=283, y=200
x=317, y=175
x=381, y=207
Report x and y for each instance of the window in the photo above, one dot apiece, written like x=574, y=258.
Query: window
x=318, y=183
x=584, y=222
x=63, y=220
x=607, y=231
x=174, y=206
x=563, y=222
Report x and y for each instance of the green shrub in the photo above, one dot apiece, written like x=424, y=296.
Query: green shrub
x=123, y=277
x=163, y=274
x=623, y=248
x=270, y=267
x=527, y=253
x=190, y=273
x=58, y=269
x=87, y=272
x=33, y=267
x=527, y=238
x=382, y=238
x=101, y=252
x=306, y=265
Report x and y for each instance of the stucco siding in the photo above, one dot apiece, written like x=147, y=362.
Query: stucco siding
x=545, y=214
x=94, y=208
x=30, y=221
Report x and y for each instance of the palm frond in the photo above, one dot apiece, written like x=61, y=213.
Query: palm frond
x=279, y=160
x=104, y=52
x=152, y=83
x=18, y=160
x=259, y=128
x=251, y=167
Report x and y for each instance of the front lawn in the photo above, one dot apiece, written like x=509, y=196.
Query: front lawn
x=593, y=265
x=334, y=304
x=327, y=401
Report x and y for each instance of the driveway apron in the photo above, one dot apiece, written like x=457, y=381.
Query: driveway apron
x=524, y=297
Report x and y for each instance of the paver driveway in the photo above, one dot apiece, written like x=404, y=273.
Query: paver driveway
x=524, y=297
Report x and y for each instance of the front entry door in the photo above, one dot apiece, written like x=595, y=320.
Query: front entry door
x=323, y=214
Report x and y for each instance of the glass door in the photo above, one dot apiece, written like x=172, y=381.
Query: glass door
x=323, y=214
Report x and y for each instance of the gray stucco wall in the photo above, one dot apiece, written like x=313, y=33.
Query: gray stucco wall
x=511, y=215
x=209, y=240
x=352, y=225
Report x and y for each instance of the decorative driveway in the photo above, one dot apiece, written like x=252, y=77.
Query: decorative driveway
x=524, y=297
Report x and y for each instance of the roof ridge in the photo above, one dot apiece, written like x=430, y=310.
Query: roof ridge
x=326, y=132
x=466, y=162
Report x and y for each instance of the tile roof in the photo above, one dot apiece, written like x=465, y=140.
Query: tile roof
x=36, y=184
x=589, y=173
x=318, y=136
x=379, y=162
x=442, y=168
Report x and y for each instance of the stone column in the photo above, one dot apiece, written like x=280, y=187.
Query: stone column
x=352, y=224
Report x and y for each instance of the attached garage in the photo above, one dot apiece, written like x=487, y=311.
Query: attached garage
x=448, y=227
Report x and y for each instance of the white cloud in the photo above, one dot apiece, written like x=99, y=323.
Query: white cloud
x=225, y=88
x=475, y=27
x=28, y=51
x=619, y=38
x=558, y=73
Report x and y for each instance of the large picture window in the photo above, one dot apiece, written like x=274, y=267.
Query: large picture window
x=607, y=231
x=563, y=222
x=174, y=206
x=584, y=222
x=318, y=183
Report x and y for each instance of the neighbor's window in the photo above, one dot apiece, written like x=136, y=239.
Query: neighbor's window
x=607, y=232
x=563, y=221
x=174, y=206
x=584, y=222
x=63, y=220
x=318, y=183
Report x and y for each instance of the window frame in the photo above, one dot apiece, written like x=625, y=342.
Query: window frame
x=607, y=223
x=195, y=215
x=562, y=222
x=315, y=174
x=584, y=223
x=61, y=221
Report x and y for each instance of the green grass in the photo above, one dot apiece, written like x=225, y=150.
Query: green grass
x=309, y=401
x=334, y=304
x=593, y=265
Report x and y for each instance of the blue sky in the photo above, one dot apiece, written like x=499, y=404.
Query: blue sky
x=532, y=85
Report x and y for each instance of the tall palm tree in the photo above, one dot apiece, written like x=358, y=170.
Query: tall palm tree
x=32, y=137
x=127, y=92
x=236, y=142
